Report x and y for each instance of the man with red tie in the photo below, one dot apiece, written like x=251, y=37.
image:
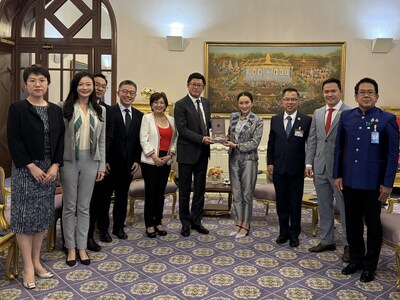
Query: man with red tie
x=319, y=164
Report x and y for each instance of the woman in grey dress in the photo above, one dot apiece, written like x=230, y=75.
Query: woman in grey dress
x=35, y=132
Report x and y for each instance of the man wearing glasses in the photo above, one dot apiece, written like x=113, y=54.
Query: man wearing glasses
x=98, y=204
x=286, y=163
x=123, y=158
x=366, y=152
x=192, y=119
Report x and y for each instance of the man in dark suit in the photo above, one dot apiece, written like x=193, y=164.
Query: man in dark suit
x=98, y=204
x=366, y=152
x=123, y=157
x=286, y=163
x=192, y=119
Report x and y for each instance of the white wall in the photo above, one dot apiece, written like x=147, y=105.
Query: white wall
x=143, y=25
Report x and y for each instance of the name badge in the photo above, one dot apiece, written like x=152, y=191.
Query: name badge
x=374, y=137
x=299, y=132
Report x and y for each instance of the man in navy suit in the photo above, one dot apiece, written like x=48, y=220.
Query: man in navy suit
x=123, y=157
x=366, y=153
x=192, y=120
x=286, y=163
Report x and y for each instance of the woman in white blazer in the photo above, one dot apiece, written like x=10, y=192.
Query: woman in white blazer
x=84, y=163
x=158, y=140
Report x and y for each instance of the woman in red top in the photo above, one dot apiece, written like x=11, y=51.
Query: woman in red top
x=158, y=140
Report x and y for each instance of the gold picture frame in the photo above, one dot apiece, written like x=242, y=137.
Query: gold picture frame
x=265, y=69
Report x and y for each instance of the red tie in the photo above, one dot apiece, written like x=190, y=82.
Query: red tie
x=329, y=120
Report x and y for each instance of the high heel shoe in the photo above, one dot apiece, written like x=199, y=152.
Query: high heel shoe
x=29, y=285
x=160, y=232
x=71, y=262
x=240, y=235
x=151, y=235
x=86, y=261
x=45, y=275
x=235, y=232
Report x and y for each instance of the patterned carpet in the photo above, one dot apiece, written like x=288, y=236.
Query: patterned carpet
x=214, y=266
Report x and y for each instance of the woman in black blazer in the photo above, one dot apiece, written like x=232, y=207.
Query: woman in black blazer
x=35, y=131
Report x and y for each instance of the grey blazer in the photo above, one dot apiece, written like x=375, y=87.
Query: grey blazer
x=249, y=137
x=320, y=145
x=99, y=141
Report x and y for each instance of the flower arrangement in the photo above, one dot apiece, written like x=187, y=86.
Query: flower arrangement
x=215, y=173
x=147, y=92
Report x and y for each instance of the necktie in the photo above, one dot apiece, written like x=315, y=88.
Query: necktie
x=329, y=120
x=203, y=124
x=289, y=125
x=128, y=119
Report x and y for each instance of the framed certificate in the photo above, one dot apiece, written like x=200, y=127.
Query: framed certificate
x=218, y=130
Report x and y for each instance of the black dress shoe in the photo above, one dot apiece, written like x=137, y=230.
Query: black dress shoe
x=160, y=232
x=346, y=254
x=93, y=246
x=120, y=233
x=367, y=276
x=321, y=248
x=282, y=239
x=185, y=231
x=86, y=261
x=294, y=242
x=200, y=229
x=351, y=269
x=105, y=237
x=70, y=262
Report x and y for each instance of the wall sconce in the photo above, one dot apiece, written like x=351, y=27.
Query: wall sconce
x=175, y=43
x=382, y=45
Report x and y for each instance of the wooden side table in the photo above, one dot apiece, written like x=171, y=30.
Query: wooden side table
x=218, y=209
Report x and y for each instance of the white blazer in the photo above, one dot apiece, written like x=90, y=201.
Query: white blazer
x=150, y=138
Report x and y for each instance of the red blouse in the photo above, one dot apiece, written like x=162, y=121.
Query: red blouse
x=165, y=137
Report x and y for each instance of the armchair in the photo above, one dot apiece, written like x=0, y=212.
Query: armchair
x=391, y=232
x=136, y=192
x=7, y=240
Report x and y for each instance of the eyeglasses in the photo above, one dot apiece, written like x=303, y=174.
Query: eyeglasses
x=370, y=93
x=196, y=85
x=101, y=86
x=290, y=99
x=126, y=92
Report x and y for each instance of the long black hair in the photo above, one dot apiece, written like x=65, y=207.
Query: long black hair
x=70, y=101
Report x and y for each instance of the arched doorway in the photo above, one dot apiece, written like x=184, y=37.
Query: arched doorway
x=66, y=36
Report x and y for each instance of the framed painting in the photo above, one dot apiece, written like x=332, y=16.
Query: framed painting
x=265, y=69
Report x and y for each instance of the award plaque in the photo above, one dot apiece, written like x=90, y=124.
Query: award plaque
x=218, y=130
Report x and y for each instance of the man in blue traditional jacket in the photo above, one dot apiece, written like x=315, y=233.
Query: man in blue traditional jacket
x=366, y=152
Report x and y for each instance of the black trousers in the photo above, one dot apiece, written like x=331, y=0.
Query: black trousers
x=289, y=194
x=100, y=206
x=155, y=181
x=198, y=171
x=363, y=206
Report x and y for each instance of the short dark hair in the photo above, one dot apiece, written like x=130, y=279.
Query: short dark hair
x=333, y=80
x=127, y=82
x=36, y=69
x=196, y=76
x=245, y=93
x=157, y=96
x=290, y=89
x=101, y=76
x=366, y=80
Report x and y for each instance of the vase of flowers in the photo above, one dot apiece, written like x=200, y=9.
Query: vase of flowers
x=215, y=174
x=147, y=92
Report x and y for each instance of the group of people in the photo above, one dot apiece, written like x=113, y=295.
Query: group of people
x=96, y=148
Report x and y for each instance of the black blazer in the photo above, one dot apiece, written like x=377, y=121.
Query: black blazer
x=288, y=154
x=125, y=147
x=25, y=133
x=188, y=124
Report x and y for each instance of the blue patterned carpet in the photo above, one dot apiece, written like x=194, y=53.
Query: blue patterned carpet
x=214, y=266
